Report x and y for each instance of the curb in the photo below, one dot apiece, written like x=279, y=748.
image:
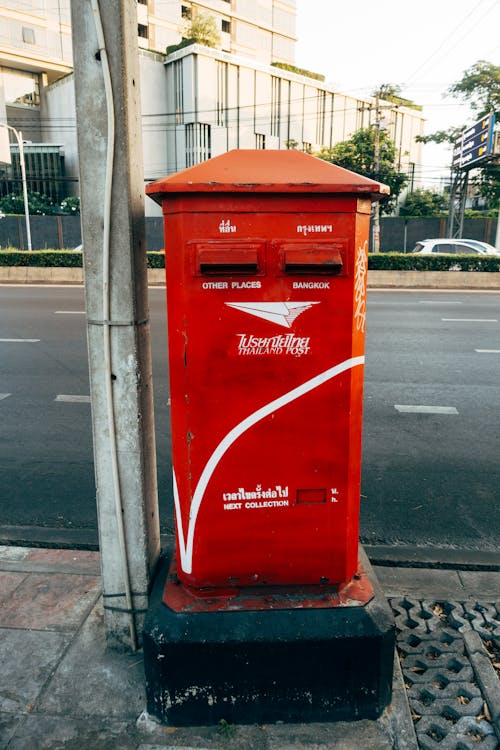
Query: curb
x=65, y=276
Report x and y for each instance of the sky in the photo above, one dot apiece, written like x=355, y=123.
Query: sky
x=423, y=46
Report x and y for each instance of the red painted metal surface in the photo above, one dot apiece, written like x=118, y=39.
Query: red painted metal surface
x=354, y=593
x=265, y=171
x=266, y=315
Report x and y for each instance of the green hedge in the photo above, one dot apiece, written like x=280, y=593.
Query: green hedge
x=41, y=258
x=376, y=261
x=60, y=258
x=410, y=262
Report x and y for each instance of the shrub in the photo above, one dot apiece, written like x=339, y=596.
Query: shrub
x=41, y=258
x=60, y=258
x=410, y=262
x=376, y=261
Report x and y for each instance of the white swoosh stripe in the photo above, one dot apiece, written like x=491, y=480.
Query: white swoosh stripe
x=186, y=548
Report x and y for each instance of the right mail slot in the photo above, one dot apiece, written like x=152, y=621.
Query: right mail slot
x=313, y=259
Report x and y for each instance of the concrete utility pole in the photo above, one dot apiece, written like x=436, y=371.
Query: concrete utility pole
x=376, y=167
x=112, y=191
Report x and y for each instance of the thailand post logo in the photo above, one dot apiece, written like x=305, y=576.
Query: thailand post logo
x=280, y=313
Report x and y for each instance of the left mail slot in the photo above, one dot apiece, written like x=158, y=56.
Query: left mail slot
x=228, y=259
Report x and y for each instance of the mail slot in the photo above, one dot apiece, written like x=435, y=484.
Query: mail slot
x=266, y=258
x=314, y=259
x=226, y=259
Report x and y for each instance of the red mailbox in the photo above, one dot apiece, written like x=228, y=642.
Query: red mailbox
x=266, y=262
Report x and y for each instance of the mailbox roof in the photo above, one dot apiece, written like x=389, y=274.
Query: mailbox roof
x=266, y=171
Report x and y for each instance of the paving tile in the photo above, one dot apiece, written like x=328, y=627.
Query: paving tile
x=93, y=681
x=63, y=561
x=28, y=658
x=8, y=584
x=63, y=556
x=8, y=724
x=50, y=602
x=37, y=732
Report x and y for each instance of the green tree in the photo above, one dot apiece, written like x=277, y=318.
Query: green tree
x=358, y=155
x=480, y=88
x=423, y=203
x=202, y=29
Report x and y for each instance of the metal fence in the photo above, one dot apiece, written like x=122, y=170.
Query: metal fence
x=398, y=234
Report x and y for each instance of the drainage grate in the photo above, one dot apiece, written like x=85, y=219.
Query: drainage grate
x=449, y=710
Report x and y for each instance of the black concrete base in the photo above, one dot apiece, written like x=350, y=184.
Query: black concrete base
x=295, y=665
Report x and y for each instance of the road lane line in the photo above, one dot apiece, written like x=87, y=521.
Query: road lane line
x=69, y=312
x=487, y=351
x=421, y=409
x=4, y=395
x=18, y=341
x=470, y=320
x=70, y=399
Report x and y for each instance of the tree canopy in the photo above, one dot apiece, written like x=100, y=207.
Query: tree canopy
x=202, y=28
x=422, y=202
x=358, y=155
x=480, y=88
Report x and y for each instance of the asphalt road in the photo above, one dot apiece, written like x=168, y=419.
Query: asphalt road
x=431, y=445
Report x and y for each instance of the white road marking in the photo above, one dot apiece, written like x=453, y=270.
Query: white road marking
x=69, y=312
x=69, y=399
x=470, y=320
x=487, y=351
x=4, y=395
x=421, y=409
x=18, y=341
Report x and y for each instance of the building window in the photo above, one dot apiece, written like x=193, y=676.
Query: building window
x=198, y=143
x=142, y=31
x=44, y=172
x=222, y=72
x=178, y=92
x=260, y=140
x=226, y=27
x=186, y=12
x=275, y=105
x=28, y=35
x=142, y=2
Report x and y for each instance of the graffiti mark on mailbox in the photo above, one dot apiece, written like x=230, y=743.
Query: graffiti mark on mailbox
x=360, y=287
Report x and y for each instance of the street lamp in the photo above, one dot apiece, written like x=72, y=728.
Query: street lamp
x=19, y=138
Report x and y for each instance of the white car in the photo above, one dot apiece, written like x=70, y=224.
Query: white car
x=453, y=247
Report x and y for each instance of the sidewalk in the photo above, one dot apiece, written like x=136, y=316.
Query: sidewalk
x=60, y=688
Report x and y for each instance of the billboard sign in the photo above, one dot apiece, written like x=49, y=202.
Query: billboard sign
x=475, y=144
